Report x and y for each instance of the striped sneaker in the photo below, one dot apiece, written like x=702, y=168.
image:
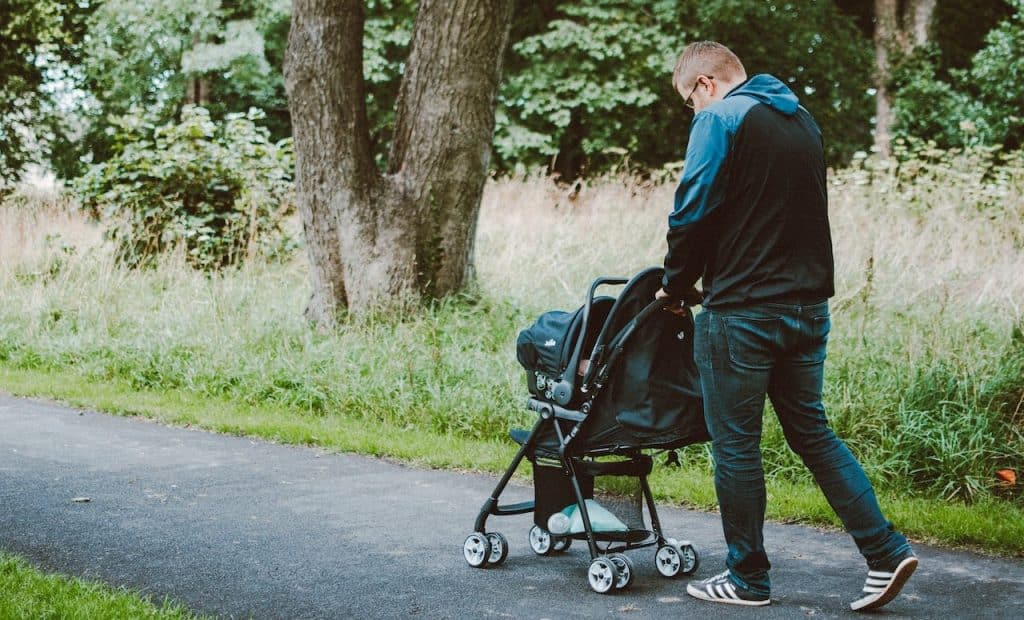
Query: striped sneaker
x=721, y=589
x=883, y=586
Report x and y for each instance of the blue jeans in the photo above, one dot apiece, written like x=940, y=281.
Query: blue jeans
x=778, y=350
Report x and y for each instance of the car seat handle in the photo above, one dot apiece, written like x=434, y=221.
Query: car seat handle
x=563, y=390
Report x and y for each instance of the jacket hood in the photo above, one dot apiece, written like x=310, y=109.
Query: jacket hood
x=770, y=91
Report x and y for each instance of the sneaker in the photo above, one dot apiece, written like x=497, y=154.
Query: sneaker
x=883, y=586
x=721, y=589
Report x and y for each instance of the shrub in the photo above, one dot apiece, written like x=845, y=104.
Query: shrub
x=219, y=189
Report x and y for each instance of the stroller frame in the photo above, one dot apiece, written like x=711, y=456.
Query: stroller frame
x=609, y=569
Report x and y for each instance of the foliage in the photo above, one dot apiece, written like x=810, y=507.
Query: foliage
x=36, y=37
x=221, y=190
x=595, y=85
x=817, y=51
x=998, y=72
x=980, y=104
x=147, y=56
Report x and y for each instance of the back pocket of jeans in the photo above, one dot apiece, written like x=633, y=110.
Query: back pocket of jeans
x=751, y=341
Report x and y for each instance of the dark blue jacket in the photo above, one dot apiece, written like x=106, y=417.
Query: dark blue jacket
x=751, y=209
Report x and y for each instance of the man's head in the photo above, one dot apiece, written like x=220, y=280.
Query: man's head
x=705, y=72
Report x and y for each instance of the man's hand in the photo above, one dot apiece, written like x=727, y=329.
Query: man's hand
x=692, y=298
x=675, y=307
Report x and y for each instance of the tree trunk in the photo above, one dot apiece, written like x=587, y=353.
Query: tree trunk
x=382, y=239
x=901, y=26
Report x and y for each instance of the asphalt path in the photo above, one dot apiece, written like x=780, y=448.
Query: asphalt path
x=235, y=527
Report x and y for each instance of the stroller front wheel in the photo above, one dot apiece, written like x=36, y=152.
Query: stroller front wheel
x=477, y=550
x=603, y=575
x=627, y=573
x=674, y=559
x=499, y=549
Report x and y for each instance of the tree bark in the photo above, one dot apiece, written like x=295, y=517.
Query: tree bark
x=384, y=239
x=901, y=26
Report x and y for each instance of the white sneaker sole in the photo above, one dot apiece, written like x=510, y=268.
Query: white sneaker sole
x=899, y=578
x=698, y=593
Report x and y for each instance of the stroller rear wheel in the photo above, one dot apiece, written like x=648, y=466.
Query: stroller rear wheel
x=541, y=541
x=562, y=543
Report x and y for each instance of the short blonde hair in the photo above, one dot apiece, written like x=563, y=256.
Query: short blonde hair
x=707, y=58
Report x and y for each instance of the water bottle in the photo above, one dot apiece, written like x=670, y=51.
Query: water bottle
x=559, y=522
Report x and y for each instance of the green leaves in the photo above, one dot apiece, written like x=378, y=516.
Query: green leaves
x=585, y=83
x=979, y=105
x=219, y=190
x=35, y=36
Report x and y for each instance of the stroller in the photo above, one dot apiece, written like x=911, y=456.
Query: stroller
x=608, y=381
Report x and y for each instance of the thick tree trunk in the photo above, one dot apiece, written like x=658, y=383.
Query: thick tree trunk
x=384, y=239
x=900, y=27
x=444, y=126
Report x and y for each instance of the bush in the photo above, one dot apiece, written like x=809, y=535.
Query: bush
x=221, y=190
x=979, y=105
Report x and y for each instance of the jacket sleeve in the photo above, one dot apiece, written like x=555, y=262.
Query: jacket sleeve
x=700, y=191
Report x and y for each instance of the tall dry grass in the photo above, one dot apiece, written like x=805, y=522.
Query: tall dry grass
x=902, y=244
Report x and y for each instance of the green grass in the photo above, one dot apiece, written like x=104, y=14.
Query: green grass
x=28, y=594
x=988, y=525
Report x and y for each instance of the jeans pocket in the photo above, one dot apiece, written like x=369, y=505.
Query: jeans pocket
x=813, y=350
x=751, y=341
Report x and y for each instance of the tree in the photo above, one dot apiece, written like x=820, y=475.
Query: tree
x=901, y=26
x=377, y=238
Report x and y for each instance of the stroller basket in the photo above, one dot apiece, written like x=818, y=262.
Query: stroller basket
x=608, y=381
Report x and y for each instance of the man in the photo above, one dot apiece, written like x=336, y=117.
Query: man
x=751, y=219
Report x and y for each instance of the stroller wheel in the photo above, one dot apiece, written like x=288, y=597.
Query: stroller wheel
x=477, y=550
x=674, y=559
x=690, y=558
x=602, y=575
x=540, y=541
x=562, y=543
x=499, y=548
x=627, y=573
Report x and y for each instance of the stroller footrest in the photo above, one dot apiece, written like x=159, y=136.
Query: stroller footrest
x=519, y=435
x=513, y=509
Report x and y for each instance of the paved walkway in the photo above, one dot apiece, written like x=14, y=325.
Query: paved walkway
x=235, y=527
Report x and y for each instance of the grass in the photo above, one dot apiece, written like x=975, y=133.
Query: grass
x=925, y=378
x=25, y=593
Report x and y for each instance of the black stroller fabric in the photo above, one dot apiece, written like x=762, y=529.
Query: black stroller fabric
x=651, y=398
